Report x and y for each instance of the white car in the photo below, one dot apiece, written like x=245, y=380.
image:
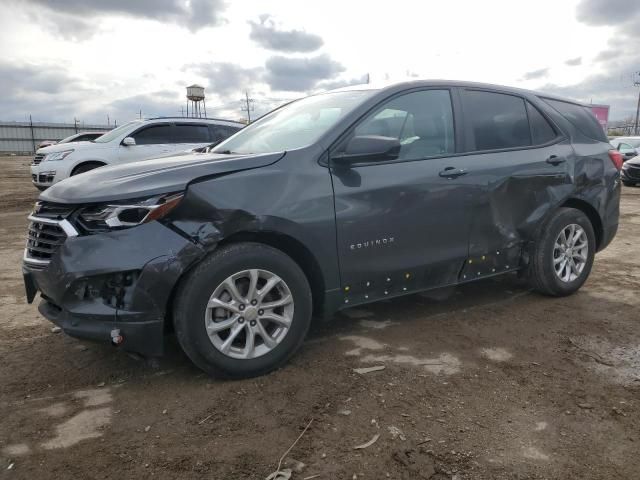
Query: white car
x=81, y=137
x=136, y=140
x=629, y=147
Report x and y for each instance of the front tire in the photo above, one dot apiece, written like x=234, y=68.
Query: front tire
x=243, y=311
x=628, y=184
x=563, y=254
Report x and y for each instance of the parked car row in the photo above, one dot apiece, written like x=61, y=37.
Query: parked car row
x=133, y=141
x=76, y=137
x=629, y=148
x=330, y=201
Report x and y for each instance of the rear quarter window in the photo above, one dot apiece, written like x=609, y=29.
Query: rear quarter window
x=580, y=117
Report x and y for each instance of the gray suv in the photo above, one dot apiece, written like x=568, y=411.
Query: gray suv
x=331, y=201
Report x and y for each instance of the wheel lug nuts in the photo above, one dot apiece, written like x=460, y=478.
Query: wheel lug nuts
x=241, y=307
x=254, y=302
x=260, y=312
x=253, y=323
x=241, y=320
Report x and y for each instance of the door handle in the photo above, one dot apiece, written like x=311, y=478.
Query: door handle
x=452, y=172
x=555, y=160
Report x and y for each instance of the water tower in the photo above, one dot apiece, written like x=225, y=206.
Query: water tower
x=195, y=99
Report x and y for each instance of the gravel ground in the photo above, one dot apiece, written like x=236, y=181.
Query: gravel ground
x=485, y=381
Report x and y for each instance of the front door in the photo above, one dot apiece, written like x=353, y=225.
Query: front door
x=151, y=141
x=403, y=225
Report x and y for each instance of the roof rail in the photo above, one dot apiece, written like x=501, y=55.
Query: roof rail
x=193, y=118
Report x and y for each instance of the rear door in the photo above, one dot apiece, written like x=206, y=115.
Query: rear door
x=151, y=141
x=521, y=163
x=187, y=136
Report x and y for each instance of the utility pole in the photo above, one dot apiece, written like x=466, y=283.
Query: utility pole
x=637, y=84
x=33, y=140
x=248, y=105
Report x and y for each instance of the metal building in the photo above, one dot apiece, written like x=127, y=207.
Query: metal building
x=24, y=137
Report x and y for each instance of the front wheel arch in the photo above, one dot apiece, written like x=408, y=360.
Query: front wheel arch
x=86, y=166
x=194, y=289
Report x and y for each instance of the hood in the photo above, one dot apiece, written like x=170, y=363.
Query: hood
x=635, y=161
x=150, y=177
x=61, y=147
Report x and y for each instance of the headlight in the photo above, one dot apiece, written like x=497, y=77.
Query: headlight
x=101, y=218
x=52, y=157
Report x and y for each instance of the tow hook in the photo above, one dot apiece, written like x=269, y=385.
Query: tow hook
x=116, y=337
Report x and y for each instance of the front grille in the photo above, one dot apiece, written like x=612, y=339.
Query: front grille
x=46, y=177
x=38, y=158
x=48, y=230
x=633, y=172
x=44, y=239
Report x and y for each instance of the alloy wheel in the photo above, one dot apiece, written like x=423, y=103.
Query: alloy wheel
x=249, y=314
x=570, y=252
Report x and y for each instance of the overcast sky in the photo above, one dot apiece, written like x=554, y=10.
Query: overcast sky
x=61, y=59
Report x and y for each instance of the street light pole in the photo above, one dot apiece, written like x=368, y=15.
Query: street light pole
x=635, y=128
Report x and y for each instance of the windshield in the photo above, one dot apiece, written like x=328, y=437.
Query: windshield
x=295, y=125
x=116, y=132
x=626, y=142
x=68, y=139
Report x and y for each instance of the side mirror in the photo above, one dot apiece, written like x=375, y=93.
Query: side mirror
x=368, y=148
x=128, y=141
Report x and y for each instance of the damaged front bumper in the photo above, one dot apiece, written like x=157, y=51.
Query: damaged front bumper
x=113, y=286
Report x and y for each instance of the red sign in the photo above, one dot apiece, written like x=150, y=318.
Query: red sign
x=602, y=114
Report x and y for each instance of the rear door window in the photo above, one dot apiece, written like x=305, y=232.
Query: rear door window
x=495, y=120
x=581, y=117
x=191, y=133
x=541, y=130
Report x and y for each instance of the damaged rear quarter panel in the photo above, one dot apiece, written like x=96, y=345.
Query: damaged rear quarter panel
x=521, y=189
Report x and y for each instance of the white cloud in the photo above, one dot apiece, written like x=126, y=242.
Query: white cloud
x=90, y=59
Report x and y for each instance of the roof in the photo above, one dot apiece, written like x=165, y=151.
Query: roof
x=195, y=119
x=453, y=83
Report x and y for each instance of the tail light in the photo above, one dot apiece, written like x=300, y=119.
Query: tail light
x=617, y=158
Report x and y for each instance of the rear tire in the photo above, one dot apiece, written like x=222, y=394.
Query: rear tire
x=559, y=268
x=85, y=167
x=262, y=341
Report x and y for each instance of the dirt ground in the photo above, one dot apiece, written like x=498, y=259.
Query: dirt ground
x=485, y=381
